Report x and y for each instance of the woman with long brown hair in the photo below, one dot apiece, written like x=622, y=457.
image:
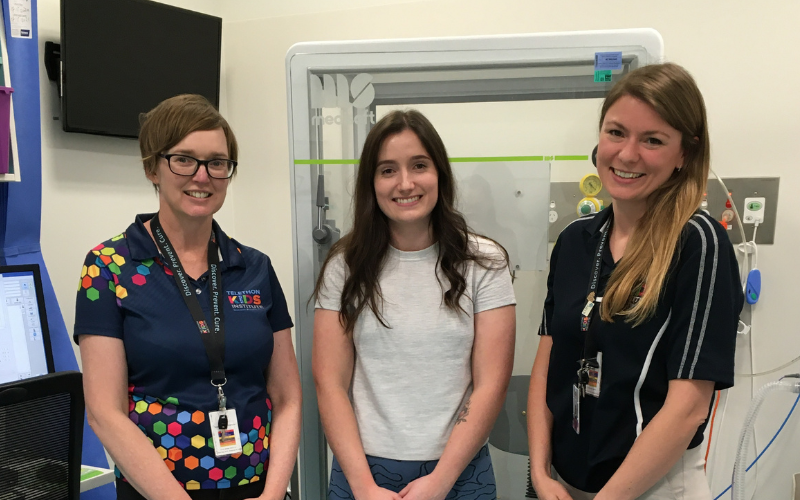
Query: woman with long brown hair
x=413, y=331
x=639, y=323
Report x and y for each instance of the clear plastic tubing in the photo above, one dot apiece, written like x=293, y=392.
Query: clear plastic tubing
x=740, y=466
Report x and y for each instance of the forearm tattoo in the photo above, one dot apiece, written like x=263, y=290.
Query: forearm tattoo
x=462, y=415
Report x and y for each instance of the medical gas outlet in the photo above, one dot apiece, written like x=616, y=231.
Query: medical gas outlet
x=590, y=185
x=589, y=206
x=727, y=216
x=754, y=210
x=552, y=216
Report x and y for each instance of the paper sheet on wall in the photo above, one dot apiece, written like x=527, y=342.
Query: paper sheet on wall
x=21, y=22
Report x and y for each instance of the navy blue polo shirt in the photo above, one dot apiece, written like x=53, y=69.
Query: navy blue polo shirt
x=691, y=336
x=127, y=291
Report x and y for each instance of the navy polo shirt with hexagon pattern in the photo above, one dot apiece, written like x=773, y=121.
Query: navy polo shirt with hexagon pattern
x=127, y=291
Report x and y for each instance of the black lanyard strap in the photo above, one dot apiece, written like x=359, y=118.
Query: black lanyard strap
x=597, y=264
x=587, y=327
x=214, y=335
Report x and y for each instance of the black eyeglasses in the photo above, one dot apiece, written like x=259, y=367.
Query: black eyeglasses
x=218, y=168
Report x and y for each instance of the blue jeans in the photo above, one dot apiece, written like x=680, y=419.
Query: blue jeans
x=476, y=482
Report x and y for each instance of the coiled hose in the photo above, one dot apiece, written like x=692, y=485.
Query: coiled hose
x=789, y=384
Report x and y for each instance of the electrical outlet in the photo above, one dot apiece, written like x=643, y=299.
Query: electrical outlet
x=753, y=210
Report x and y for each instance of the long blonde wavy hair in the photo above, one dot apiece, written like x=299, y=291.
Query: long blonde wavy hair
x=673, y=94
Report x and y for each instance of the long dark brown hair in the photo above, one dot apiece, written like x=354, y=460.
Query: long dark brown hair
x=366, y=245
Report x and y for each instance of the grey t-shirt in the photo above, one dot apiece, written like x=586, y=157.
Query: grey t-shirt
x=411, y=380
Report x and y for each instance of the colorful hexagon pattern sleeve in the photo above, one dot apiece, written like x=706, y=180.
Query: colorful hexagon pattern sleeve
x=97, y=308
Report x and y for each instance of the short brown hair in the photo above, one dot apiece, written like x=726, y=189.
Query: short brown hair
x=173, y=119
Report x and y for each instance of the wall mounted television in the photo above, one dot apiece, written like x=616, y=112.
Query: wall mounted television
x=120, y=58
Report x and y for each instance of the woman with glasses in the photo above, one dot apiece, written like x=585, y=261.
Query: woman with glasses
x=184, y=332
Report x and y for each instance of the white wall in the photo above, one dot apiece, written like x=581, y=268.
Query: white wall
x=248, y=10
x=92, y=186
x=740, y=53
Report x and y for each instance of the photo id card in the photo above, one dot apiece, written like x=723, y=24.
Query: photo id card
x=595, y=375
x=226, y=441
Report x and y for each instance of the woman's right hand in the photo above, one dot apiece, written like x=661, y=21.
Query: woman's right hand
x=550, y=489
x=375, y=492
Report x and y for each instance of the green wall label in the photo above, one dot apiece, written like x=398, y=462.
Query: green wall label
x=603, y=76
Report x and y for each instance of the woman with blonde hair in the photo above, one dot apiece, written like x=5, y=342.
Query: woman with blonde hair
x=639, y=323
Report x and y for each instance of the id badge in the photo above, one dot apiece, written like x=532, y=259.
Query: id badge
x=595, y=377
x=226, y=441
x=576, y=408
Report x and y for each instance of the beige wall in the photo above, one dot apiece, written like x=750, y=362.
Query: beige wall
x=740, y=53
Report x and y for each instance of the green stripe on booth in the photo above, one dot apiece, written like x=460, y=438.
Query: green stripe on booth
x=461, y=159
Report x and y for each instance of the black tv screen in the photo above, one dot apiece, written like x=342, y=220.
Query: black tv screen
x=122, y=57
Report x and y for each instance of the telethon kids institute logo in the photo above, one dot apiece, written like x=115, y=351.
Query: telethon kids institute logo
x=335, y=93
x=245, y=299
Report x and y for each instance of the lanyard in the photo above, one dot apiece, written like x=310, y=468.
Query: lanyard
x=586, y=315
x=213, y=337
x=588, y=309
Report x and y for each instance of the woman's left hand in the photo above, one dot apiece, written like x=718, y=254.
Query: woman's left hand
x=425, y=488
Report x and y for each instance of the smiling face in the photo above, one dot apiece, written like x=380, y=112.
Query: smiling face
x=406, y=182
x=637, y=152
x=197, y=196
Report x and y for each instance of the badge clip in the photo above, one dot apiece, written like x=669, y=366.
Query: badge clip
x=222, y=422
